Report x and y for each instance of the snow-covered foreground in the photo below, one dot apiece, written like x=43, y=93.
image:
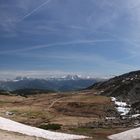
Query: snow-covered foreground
x=9, y=125
x=133, y=134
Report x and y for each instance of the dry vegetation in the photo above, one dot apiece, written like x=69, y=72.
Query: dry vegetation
x=5, y=135
x=72, y=111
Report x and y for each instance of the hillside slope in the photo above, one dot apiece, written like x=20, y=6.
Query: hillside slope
x=124, y=87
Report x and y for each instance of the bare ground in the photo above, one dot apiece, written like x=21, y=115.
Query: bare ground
x=5, y=135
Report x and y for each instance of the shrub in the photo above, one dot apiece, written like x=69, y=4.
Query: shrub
x=50, y=126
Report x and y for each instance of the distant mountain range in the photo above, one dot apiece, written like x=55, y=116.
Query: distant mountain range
x=65, y=83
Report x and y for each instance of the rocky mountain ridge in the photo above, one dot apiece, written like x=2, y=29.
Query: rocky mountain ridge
x=125, y=88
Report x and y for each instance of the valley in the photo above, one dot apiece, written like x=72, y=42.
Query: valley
x=101, y=110
x=81, y=112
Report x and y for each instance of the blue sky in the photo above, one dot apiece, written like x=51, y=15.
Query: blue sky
x=89, y=37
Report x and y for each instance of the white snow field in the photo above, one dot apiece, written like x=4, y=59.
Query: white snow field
x=133, y=134
x=9, y=125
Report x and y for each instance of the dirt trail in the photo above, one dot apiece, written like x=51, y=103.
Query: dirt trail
x=55, y=101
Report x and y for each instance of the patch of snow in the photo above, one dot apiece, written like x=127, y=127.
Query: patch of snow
x=136, y=125
x=122, y=104
x=123, y=110
x=9, y=125
x=133, y=134
x=88, y=77
x=113, y=99
x=110, y=118
x=15, y=80
x=127, y=79
x=7, y=113
x=135, y=115
x=132, y=79
x=122, y=107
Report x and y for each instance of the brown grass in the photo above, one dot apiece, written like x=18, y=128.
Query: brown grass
x=69, y=110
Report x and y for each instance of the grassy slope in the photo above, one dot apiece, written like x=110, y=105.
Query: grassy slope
x=73, y=111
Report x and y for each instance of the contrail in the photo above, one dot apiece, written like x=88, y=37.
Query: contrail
x=34, y=10
x=71, y=43
x=54, y=45
x=62, y=44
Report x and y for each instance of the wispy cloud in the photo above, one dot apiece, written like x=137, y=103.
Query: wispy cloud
x=34, y=10
x=59, y=44
x=133, y=43
x=88, y=63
